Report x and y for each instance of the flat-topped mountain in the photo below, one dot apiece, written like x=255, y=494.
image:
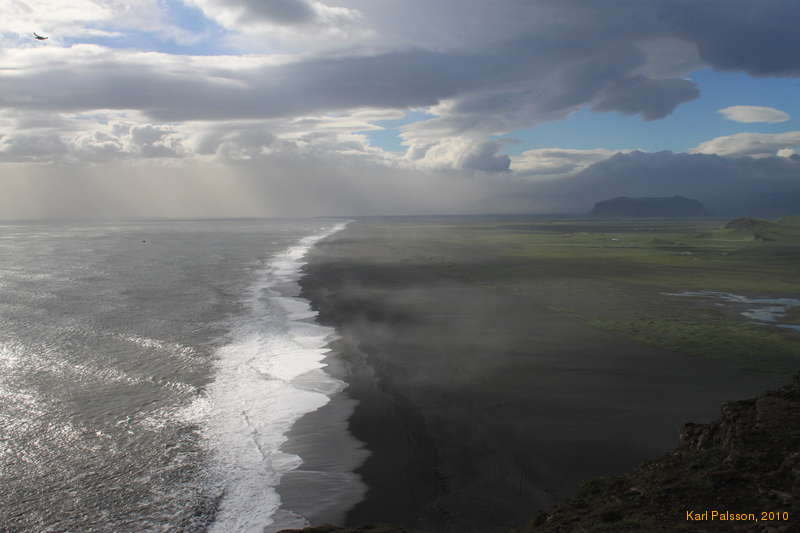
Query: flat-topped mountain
x=674, y=206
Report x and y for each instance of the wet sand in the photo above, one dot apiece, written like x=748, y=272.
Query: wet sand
x=325, y=486
x=478, y=400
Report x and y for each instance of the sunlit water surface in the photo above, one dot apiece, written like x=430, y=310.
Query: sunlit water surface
x=149, y=372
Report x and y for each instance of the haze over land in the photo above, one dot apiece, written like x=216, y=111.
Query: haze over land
x=220, y=108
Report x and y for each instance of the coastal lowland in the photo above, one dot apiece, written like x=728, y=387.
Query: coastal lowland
x=500, y=364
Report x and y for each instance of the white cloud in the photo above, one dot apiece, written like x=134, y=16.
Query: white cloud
x=92, y=137
x=558, y=162
x=512, y=71
x=297, y=25
x=331, y=69
x=25, y=16
x=753, y=113
x=77, y=139
x=63, y=20
x=246, y=14
x=461, y=153
x=750, y=144
x=31, y=148
x=331, y=134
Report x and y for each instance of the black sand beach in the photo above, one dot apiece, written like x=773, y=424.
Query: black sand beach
x=483, y=394
x=325, y=486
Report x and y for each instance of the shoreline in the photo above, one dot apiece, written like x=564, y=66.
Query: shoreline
x=324, y=485
x=478, y=402
x=269, y=376
x=330, y=455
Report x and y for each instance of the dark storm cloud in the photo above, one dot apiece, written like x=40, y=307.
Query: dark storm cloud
x=173, y=92
x=758, y=37
x=276, y=11
x=482, y=68
x=565, y=54
x=653, y=99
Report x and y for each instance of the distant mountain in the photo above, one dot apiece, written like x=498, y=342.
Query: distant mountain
x=728, y=187
x=675, y=206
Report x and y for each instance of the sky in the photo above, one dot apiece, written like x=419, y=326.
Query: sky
x=226, y=108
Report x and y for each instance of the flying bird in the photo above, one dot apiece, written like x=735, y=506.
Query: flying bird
x=39, y=37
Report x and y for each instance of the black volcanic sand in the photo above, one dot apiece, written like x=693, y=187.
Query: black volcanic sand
x=479, y=400
x=325, y=486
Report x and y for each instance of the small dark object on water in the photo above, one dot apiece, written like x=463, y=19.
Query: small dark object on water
x=144, y=241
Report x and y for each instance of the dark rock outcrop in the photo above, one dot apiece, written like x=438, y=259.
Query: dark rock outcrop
x=668, y=207
x=750, y=224
x=747, y=462
x=763, y=230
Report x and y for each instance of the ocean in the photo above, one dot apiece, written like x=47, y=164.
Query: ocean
x=150, y=372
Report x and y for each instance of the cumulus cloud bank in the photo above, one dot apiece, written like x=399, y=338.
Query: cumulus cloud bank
x=549, y=162
x=751, y=144
x=307, y=80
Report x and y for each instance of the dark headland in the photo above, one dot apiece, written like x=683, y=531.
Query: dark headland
x=500, y=364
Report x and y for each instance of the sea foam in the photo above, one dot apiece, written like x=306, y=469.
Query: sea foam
x=269, y=375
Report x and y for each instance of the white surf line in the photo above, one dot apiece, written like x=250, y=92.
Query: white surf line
x=254, y=400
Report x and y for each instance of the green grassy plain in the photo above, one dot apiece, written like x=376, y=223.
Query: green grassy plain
x=498, y=362
x=618, y=274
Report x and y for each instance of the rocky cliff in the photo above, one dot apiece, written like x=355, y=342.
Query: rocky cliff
x=747, y=462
